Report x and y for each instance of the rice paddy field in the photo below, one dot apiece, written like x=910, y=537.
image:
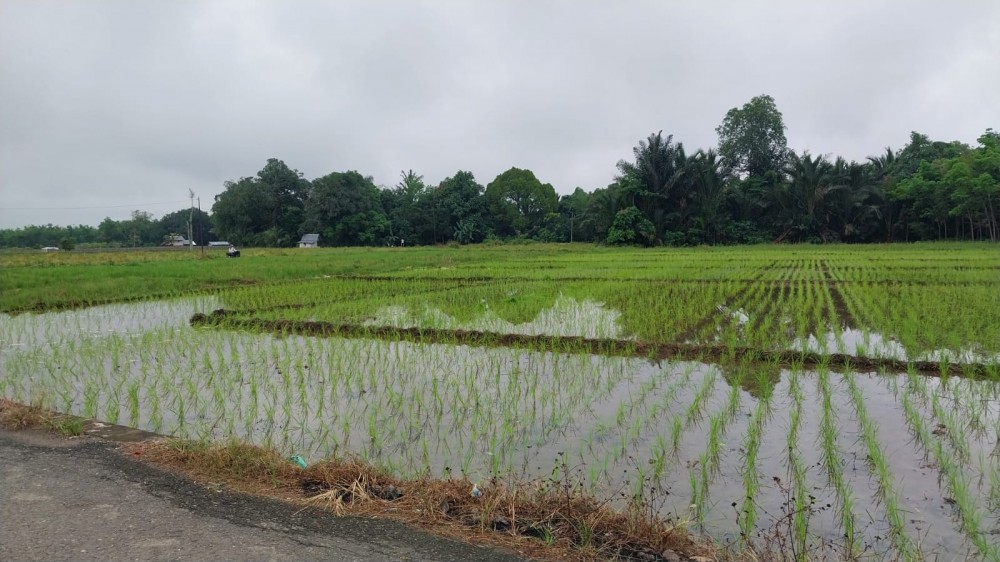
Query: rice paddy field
x=843, y=398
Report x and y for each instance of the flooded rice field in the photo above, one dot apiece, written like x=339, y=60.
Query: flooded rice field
x=897, y=464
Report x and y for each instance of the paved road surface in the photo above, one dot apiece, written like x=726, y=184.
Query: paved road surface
x=80, y=499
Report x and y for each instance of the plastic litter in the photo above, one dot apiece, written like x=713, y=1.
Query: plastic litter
x=476, y=492
x=297, y=459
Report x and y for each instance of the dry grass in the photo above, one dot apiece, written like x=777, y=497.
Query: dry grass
x=36, y=415
x=21, y=416
x=547, y=520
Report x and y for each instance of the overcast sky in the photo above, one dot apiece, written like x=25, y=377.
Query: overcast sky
x=109, y=106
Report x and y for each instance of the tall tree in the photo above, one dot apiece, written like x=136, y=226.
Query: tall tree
x=265, y=210
x=346, y=210
x=573, y=208
x=752, y=138
x=519, y=203
x=708, y=192
x=400, y=204
x=649, y=183
x=243, y=211
x=454, y=210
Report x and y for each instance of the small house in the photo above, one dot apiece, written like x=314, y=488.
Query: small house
x=309, y=241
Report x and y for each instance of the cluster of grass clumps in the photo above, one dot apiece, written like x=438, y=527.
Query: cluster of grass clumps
x=551, y=518
x=36, y=415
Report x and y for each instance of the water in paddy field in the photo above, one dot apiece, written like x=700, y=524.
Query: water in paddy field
x=566, y=317
x=677, y=434
x=854, y=341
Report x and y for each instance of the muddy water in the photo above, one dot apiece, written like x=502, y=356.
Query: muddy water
x=455, y=409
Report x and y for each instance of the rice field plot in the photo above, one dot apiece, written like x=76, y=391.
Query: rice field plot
x=752, y=449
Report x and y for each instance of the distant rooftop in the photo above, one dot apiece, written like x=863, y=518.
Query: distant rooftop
x=309, y=239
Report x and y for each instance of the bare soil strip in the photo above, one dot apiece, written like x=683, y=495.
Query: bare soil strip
x=839, y=304
x=576, y=344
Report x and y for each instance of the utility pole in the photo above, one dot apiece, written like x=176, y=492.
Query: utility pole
x=191, y=220
x=199, y=228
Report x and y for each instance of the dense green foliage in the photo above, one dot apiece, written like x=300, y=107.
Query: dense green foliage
x=140, y=230
x=752, y=189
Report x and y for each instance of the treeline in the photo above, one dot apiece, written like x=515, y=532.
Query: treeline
x=140, y=230
x=751, y=188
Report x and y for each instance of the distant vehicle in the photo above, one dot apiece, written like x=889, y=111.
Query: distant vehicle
x=218, y=244
x=50, y=249
x=177, y=240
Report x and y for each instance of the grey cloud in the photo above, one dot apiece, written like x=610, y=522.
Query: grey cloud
x=106, y=103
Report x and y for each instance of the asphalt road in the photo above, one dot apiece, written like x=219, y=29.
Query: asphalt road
x=80, y=499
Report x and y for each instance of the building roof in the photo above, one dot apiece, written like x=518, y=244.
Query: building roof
x=309, y=239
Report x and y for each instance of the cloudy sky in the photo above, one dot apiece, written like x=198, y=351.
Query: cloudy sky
x=109, y=106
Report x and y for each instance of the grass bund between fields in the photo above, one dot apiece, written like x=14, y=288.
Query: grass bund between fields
x=789, y=402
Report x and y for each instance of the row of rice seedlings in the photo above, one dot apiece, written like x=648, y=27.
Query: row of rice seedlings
x=666, y=313
x=762, y=316
x=663, y=450
x=965, y=331
x=879, y=467
x=879, y=335
x=833, y=322
x=751, y=475
x=817, y=320
x=831, y=454
x=951, y=426
x=800, y=504
x=950, y=467
x=287, y=380
x=718, y=423
x=800, y=312
x=613, y=429
x=733, y=330
x=290, y=297
x=680, y=423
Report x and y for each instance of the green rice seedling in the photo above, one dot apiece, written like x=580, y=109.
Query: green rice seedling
x=958, y=483
x=797, y=470
x=831, y=460
x=90, y=396
x=879, y=466
x=748, y=511
x=112, y=408
x=676, y=428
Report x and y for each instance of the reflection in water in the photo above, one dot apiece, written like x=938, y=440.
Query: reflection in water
x=566, y=317
x=864, y=343
x=675, y=427
x=757, y=379
x=849, y=340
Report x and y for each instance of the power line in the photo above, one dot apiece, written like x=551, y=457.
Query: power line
x=133, y=205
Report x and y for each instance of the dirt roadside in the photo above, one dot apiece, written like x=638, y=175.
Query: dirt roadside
x=81, y=499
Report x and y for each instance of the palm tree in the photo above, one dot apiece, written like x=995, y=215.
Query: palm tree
x=801, y=201
x=705, y=175
x=649, y=181
x=881, y=171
